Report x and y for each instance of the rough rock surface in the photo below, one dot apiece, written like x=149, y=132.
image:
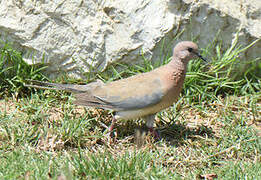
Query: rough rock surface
x=74, y=36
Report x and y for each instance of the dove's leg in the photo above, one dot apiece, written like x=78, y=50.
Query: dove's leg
x=149, y=123
x=112, y=126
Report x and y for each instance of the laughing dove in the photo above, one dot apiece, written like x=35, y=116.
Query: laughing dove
x=142, y=95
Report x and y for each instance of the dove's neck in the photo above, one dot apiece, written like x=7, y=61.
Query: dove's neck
x=178, y=64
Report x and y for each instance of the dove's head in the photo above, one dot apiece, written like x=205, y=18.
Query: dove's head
x=185, y=51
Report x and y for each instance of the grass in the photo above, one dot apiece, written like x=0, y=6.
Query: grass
x=14, y=70
x=214, y=128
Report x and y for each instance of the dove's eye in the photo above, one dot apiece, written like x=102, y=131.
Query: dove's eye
x=190, y=49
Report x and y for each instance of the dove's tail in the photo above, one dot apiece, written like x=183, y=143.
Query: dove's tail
x=74, y=88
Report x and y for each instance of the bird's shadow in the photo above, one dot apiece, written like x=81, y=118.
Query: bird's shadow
x=176, y=134
x=173, y=133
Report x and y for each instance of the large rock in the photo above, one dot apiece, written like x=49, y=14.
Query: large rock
x=76, y=36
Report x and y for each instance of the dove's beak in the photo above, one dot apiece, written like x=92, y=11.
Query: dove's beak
x=197, y=54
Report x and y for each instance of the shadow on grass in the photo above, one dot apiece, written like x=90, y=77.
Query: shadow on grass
x=175, y=134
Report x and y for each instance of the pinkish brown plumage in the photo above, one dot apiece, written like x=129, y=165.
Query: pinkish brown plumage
x=142, y=95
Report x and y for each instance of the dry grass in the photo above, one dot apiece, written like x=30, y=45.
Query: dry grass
x=193, y=138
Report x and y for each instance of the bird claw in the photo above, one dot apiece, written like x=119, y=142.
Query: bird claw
x=113, y=134
x=155, y=134
x=111, y=137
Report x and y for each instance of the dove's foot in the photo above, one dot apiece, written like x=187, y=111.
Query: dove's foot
x=155, y=134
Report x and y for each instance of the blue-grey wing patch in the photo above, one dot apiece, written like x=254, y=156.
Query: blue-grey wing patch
x=132, y=102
